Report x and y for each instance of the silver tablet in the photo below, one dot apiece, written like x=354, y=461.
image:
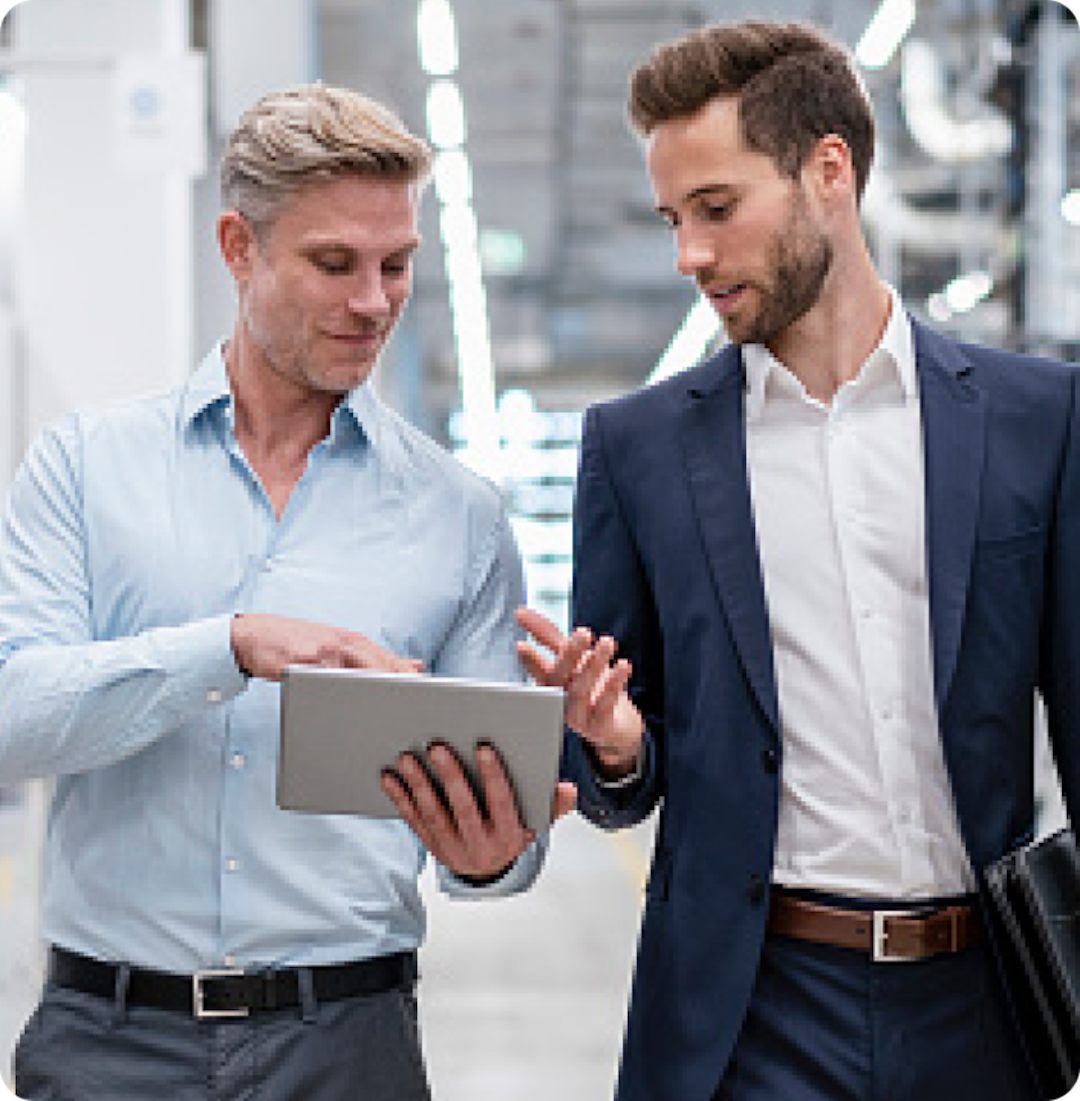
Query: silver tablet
x=340, y=728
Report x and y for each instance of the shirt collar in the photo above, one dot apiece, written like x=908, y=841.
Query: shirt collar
x=766, y=376
x=208, y=388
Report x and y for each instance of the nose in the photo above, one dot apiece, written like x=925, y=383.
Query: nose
x=368, y=295
x=692, y=251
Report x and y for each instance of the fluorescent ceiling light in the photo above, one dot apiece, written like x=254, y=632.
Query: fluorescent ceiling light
x=453, y=177
x=437, y=35
x=884, y=33
x=1070, y=208
x=457, y=226
x=445, y=115
x=965, y=292
x=502, y=251
x=697, y=332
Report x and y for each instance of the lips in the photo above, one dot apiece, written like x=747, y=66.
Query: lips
x=727, y=297
x=370, y=337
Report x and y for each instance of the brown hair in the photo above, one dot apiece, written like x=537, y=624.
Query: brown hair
x=794, y=85
x=313, y=132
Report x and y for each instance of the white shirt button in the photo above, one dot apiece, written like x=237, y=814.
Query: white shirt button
x=214, y=695
x=232, y=865
x=238, y=761
x=230, y=961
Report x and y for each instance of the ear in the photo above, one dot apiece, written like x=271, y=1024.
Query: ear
x=830, y=169
x=236, y=240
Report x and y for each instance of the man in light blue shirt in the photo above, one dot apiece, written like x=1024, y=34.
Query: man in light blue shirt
x=161, y=561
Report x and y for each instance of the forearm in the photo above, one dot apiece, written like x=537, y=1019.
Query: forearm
x=72, y=708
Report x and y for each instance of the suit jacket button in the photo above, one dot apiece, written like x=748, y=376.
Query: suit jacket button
x=755, y=890
x=770, y=761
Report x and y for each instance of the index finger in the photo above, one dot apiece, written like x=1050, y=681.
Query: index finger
x=540, y=627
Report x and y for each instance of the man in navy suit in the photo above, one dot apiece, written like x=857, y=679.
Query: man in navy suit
x=819, y=579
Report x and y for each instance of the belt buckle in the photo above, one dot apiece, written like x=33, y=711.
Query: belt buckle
x=880, y=947
x=197, y=998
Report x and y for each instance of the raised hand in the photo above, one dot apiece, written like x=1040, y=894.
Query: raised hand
x=598, y=707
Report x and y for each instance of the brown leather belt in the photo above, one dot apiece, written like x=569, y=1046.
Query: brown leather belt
x=887, y=936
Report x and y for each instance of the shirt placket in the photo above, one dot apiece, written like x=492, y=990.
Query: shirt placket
x=868, y=606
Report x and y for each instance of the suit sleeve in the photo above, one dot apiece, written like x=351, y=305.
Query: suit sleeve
x=611, y=595
x=1060, y=648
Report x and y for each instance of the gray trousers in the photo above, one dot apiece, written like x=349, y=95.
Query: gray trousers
x=78, y=1047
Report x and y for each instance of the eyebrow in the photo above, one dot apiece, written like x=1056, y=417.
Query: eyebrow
x=407, y=248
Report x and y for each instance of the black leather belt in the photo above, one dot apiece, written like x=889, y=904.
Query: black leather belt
x=229, y=992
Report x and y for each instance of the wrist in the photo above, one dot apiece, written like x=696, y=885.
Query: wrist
x=617, y=770
x=485, y=880
x=236, y=643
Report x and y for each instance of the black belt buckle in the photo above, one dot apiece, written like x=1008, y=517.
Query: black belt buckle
x=198, y=995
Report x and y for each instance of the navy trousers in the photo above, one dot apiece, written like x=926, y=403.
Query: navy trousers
x=829, y=1024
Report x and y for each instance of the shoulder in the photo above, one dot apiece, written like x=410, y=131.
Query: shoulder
x=1012, y=374
x=424, y=465
x=655, y=404
x=135, y=425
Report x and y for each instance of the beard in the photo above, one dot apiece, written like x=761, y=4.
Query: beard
x=799, y=262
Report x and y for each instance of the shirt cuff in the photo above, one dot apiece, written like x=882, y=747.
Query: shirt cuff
x=519, y=876
x=202, y=657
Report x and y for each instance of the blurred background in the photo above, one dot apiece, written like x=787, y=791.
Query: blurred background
x=545, y=282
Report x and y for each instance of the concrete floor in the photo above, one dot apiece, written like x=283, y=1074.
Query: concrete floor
x=521, y=998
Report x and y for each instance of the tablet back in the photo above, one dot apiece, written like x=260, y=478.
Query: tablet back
x=341, y=727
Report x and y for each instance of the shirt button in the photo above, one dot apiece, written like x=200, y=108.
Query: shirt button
x=238, y=761
x=232, y=865
x=214, y=695
x=755, y=889
x=770, y=761
x=230, y=961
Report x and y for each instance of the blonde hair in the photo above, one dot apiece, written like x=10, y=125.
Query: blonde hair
x=313, y=132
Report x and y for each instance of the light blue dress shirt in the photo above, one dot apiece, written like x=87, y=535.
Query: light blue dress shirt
x=130, y=537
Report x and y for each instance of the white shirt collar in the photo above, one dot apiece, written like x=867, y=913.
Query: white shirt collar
x=894, y=354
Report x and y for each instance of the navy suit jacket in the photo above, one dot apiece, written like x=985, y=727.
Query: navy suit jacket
x=666, y=561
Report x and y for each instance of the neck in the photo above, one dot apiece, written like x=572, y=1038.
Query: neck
x=828, y=345
x=275, y=416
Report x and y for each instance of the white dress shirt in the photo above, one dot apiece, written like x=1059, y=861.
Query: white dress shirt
x=838, y=493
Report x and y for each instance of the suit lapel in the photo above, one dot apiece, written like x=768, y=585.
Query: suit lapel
x=713, y=437
x=953, y=415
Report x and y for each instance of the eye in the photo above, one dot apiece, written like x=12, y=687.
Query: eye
x=397, y=267
x=717, y=212
x=332, y=264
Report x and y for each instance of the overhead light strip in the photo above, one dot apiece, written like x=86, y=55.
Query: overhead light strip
x=447, y=125
x=699, y=329
x=884, y=33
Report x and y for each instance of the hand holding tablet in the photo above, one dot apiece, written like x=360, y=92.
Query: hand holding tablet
x=341, y=729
